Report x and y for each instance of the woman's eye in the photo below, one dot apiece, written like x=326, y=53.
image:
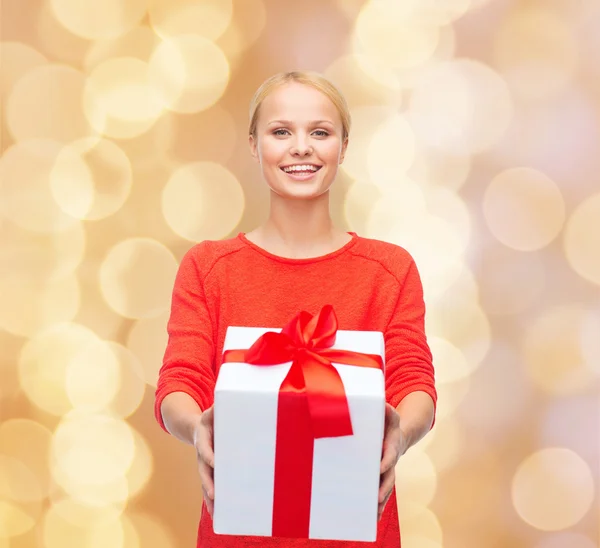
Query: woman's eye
x=280, y=132
x=321, y=133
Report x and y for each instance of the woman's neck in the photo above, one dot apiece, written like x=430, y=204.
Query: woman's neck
x=299, y=229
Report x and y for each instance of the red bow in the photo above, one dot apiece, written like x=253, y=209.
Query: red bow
x=312, y=404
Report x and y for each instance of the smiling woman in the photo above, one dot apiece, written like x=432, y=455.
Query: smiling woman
x=297, y=260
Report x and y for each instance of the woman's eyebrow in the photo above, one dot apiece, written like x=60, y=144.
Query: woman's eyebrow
x=289, y=123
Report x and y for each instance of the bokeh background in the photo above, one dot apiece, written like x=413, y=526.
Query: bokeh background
x=475, y=145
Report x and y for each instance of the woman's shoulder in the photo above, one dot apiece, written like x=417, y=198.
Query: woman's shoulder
x=389, y=254
x=206, y=253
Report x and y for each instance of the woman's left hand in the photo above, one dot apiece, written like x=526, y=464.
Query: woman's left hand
x=394, y=446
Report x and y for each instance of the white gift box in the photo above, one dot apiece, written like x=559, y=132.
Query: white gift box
x=345, y=476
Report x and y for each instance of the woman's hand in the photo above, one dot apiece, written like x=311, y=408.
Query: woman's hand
x=203, y=442
x=394, y=446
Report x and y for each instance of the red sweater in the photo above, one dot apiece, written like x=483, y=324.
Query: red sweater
x=372, y=286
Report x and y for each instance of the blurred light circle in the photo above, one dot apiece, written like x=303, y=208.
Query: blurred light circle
x=190, y=73
x=91, y=449
x=441, y=13
x=556, y=429
x=461, y=321
x=131, y=538
x=89, y=20
x=138, y=43
x=152, y=532
x=28, y=115
x=17, y=482
x=553, y=489
x=59, y=530
x=590, y=342
x=460, y=106
x=30, y=305
x=31, y=206
x=359, y=200
x=20, y=498
x=451, y=364
x=567, y=156
x=434, y=167
x=81, y=514
x=43, y=364
x=510, y=282
x=203, y=201
x=41, y=257
x=421, y=530
x=206, y=18
x=147, y=340
x=54, y=39
x=536, y=51
x=405, y=201
x=564, y=540
x=436, y=246
x=94, y=312
x=418, y=541
x=119, y=100
x=430, y=11
x=446, y=445
x=132, y=386
x=246, y=27
x=91, y=179
x=524, y=209
x=214, y=128
x=17, y=59
x=28, y=442
x=484, y=413
x=391, y=151
x=141, y=467
x=416, y=479
x=582, y=239
x=390, y=33
x=365, y=80
x=365, y=122
x=451, y=395
x=449, y=206
x=92, y=377
x=553, y=351
x=137, y=276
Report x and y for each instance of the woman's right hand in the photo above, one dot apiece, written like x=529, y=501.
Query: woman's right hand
x=203, y=442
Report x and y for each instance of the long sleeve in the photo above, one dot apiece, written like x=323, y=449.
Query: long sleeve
x=189, y=356
x=409, y=365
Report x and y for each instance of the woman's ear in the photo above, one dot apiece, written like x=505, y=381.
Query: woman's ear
x=253, y=147
x=343, y=151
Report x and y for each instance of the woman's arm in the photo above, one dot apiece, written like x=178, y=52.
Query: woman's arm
x=187, y=366
x=180, y=414
x=416, y=413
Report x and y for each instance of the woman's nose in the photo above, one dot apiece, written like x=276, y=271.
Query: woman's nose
x=301, y=147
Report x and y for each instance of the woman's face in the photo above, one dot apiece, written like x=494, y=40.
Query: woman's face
x=298, y=141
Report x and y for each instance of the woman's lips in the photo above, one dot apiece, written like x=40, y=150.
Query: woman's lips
x=301, y=175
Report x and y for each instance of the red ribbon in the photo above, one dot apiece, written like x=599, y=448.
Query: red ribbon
x=312, y=404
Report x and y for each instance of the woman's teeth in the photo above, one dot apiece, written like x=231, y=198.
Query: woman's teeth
x=300, y=169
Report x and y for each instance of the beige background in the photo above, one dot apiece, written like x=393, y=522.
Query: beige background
x=475, y=145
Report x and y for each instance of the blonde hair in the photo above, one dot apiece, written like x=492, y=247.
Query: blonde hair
x=313, y=79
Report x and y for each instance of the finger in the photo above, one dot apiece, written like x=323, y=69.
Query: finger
x=206, y=478
x=381, y=507
x=386, y=484
x=209, y=503
x=204, y=447
x=388, y=458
